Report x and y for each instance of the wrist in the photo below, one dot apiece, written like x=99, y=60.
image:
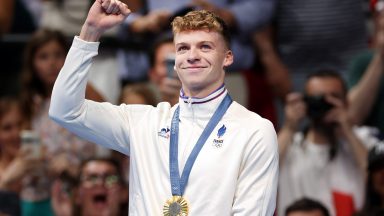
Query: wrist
x=90, y=33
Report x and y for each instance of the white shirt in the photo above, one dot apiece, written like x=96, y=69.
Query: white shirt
x=306, y=171
x=235, y=174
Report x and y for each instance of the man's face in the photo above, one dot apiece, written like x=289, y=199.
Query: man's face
x=48, y=61
x=327, y=87
x=159, y=70
x=100, y=192
x=306, y=213
x=200, y=60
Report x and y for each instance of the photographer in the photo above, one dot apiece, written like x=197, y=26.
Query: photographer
x=327, y=160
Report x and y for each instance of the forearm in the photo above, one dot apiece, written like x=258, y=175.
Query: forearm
x=359, y=104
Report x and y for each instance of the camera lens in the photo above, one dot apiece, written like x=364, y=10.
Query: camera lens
x=317, y=106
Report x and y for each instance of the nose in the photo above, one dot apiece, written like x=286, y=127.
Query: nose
x=193, y=55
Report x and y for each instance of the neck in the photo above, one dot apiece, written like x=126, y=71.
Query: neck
x=318, y=137
x=201, y=93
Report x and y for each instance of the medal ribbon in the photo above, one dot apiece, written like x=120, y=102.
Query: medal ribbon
x=178, y=184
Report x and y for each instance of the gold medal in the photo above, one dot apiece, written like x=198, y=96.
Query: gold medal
x=176, y=206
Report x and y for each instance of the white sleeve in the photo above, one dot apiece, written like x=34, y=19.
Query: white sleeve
x=368, y=136
x=101, y=123
x=257, y=183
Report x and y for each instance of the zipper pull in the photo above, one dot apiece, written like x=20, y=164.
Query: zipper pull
x=189, y=102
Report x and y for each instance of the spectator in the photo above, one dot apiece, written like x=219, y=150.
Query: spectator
x=326, y=161
x=44, y=56
x=306, y=207
x=374, y=195
x=161, y=72
x=15, y=162
x=100, y=191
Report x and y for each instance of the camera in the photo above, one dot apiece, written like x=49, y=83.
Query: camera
x=30, y=141
x=317, y=106
x=170, y=63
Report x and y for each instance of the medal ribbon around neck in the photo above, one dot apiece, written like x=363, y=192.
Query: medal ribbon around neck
x=178, y=184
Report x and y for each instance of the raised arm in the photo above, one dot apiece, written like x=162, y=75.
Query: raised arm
x=101, y=123
x=362, y=96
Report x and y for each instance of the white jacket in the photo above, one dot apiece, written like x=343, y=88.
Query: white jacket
x=235, y=174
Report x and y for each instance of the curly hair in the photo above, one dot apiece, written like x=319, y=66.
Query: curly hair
x=201, y=20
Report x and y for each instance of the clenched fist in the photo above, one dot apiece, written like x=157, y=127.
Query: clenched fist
x=103, y=15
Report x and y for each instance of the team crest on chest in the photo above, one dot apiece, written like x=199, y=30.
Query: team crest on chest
x=218, y=143
x=164, y=132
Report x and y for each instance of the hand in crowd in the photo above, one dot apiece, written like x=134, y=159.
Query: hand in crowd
x=64, y=163
x=226, y=15
x=295, y=110
x=104, y=14
x=154, y=22
x=170, y=89
x=338, y=114
x=61, y=201
x=22, y=165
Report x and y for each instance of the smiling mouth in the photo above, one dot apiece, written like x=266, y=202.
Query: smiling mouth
x=195, y=67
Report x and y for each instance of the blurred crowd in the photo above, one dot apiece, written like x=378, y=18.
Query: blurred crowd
x=313, y=68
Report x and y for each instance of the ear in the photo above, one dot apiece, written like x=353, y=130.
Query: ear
x=228, y=60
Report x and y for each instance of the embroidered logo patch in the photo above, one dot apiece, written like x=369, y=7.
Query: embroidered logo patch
x=218, y=143
x=164, y=132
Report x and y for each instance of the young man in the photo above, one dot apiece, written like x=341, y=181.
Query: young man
x=235, y=173
x=327, y=161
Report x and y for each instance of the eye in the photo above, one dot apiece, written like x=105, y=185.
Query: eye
x=205, y=47
x=182, y=48
x=42, y=56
